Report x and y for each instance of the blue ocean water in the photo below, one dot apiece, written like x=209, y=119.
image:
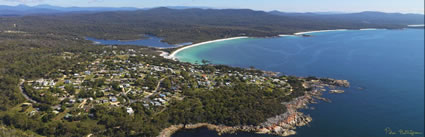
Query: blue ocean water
x=385, y=68
x=151, y=41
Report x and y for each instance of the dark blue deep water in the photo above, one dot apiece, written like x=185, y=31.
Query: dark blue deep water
x=385, y=68
x=151, y=41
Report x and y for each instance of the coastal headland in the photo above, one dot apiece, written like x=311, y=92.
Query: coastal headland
x=281, y=125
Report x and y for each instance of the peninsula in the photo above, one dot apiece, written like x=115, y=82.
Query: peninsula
x=54, y=82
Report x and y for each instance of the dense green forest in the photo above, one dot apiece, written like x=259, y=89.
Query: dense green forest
x=31, y=56
x=11, y=132
x=196, y=25
x=31, y=48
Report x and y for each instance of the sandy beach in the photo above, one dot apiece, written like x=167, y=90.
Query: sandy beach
x=163, y=53
x=369, y=29
x=416, y=25
x=317, y=31
x=172, y=55
x=307, y=32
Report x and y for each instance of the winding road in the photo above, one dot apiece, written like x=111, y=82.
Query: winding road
x=21, y=89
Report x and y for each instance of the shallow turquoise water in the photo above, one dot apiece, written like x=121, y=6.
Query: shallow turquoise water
x=385, y=68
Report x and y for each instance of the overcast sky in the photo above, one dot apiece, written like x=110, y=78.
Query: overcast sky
x=403, y=6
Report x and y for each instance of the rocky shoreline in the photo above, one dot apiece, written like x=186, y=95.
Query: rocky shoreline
x=281, y=125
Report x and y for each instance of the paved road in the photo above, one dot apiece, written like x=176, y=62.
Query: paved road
x=21, y=89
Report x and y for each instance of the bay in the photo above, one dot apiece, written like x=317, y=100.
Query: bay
x=385, y=68
x=151, y=41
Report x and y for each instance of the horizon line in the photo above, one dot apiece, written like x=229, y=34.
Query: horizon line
x=206, y=7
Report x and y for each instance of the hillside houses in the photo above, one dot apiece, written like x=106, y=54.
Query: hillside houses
x=122, y=78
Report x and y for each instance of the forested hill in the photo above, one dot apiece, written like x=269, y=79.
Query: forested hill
x=362, y=17
x=195, y=25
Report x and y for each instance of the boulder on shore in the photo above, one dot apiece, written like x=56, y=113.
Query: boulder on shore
x=336, y=91
x=344, y=83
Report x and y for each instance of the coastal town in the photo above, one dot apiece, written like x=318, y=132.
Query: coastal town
x=187, y=68
x=118, y=78
x=121, y=77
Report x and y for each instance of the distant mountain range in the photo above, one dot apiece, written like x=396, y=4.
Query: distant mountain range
x=48, y=9
x=189, y=24
x=20, y=10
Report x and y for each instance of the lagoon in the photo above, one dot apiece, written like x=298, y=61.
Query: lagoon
x=384, y=67
x=151, y=41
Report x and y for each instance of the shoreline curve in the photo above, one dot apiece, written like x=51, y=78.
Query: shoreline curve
x=173, y=54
